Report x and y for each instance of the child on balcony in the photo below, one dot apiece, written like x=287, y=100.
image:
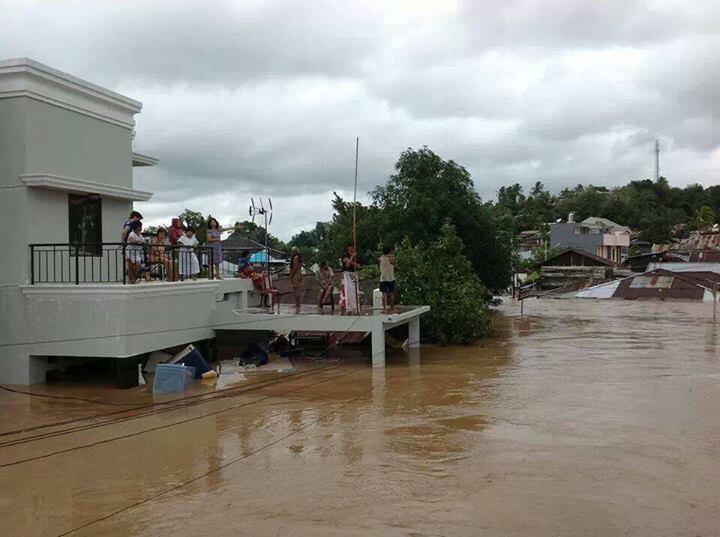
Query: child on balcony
x=189, y=264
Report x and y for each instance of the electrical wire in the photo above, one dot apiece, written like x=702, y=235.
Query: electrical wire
x=63, y=432
x=168, y=425
x=180, y=403
x=62, y=397
x=225, y=465
x=172, y=404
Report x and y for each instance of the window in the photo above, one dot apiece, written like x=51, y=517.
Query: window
x=85, y=219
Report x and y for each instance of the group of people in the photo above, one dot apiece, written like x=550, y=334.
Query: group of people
x=349, y=292
x=172, y=255
x=163, y=260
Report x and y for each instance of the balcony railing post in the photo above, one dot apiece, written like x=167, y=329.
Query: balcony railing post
x=124, y=266
x=32, y=265
x=77, y=265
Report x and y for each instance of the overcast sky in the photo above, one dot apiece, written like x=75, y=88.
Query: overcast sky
x=249, y=98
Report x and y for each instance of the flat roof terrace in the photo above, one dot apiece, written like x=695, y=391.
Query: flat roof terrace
x=369, y=320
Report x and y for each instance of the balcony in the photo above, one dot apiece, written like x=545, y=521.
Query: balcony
x=118, y=263
x=618, y=238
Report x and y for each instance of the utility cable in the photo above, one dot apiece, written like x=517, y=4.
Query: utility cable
x=225, y=465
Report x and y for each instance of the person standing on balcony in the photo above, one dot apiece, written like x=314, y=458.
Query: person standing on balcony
x=177, y=230
x=134, y=251
x=296, y=276
x=189, y=264
x=214, y=238
x=349, y=300
x=134, y=217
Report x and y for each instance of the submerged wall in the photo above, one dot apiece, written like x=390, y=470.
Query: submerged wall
x=110, y=321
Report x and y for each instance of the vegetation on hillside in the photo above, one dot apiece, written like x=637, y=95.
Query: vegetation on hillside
x=654, y=209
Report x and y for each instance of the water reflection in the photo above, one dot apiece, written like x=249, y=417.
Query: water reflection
x=581, y=417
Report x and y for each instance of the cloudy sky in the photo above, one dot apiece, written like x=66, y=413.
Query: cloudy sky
x=249, y=97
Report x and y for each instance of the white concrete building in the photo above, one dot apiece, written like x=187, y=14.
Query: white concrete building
x=66, y=163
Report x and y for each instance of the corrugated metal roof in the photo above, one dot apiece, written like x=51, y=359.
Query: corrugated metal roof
x=659, y=284
x=698, y=241
x=583, y=253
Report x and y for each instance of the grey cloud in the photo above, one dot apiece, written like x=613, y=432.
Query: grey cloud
x=250, y=97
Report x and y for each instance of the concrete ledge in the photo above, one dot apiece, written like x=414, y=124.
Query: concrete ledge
x=117, y=290
x=83, y=186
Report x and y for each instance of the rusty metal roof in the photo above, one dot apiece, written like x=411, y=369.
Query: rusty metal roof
x=667, y=285
x=699, y=241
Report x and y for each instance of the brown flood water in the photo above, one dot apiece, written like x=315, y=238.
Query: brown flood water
x=582, y=418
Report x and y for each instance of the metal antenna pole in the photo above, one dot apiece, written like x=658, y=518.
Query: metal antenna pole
x=357, y=277
x=657, y=160
x=357, y=147
x=267, y=249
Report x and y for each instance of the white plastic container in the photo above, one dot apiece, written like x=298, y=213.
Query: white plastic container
x=377, y=299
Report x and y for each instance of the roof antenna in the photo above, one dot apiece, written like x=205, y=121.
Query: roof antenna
x=266, y=214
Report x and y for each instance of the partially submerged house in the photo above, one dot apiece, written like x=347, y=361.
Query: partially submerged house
x=600, y=236
x=574, y=267
x=659, y=284
x=66, y=177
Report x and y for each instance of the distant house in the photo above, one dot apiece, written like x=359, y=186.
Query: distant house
x=700, y=247
x=574, y=266
x=576, y=257
x=642, y=261
x=528, y=241
x=600, y=236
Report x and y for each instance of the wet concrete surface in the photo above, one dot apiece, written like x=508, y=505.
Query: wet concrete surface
x=581, y=418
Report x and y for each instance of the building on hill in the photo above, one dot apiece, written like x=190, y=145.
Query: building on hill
x=600, y=236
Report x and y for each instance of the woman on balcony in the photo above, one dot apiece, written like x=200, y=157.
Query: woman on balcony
x=214, y=238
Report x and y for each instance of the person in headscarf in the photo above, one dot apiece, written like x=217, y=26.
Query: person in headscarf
x=177, y=230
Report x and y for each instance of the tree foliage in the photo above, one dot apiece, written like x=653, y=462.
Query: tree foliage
x=427, y=192
x=423, y=195
x=437, y=273
x=196, y=220
x=653, y=208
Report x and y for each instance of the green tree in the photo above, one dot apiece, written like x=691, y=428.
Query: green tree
x=458, y=301
x=705, y=217
x=426, y=192
x=256, y=233
x=196, y=220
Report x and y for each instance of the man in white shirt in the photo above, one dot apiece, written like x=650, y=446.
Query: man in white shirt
x=387, y=279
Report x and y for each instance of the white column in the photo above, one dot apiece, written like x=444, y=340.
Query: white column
x=414, y=332
x=378, y=345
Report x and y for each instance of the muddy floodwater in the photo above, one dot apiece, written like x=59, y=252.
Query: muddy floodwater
x=581, y=418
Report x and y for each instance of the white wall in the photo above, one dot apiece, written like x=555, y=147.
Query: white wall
x=70, y=144
x=85, y=321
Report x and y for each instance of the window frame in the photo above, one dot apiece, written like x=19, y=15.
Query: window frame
x=90, y=249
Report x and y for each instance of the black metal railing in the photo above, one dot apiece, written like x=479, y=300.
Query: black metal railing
x=129, y=263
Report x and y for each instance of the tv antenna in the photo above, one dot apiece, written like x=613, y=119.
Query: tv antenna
x=266, y=214
x=657, y=160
